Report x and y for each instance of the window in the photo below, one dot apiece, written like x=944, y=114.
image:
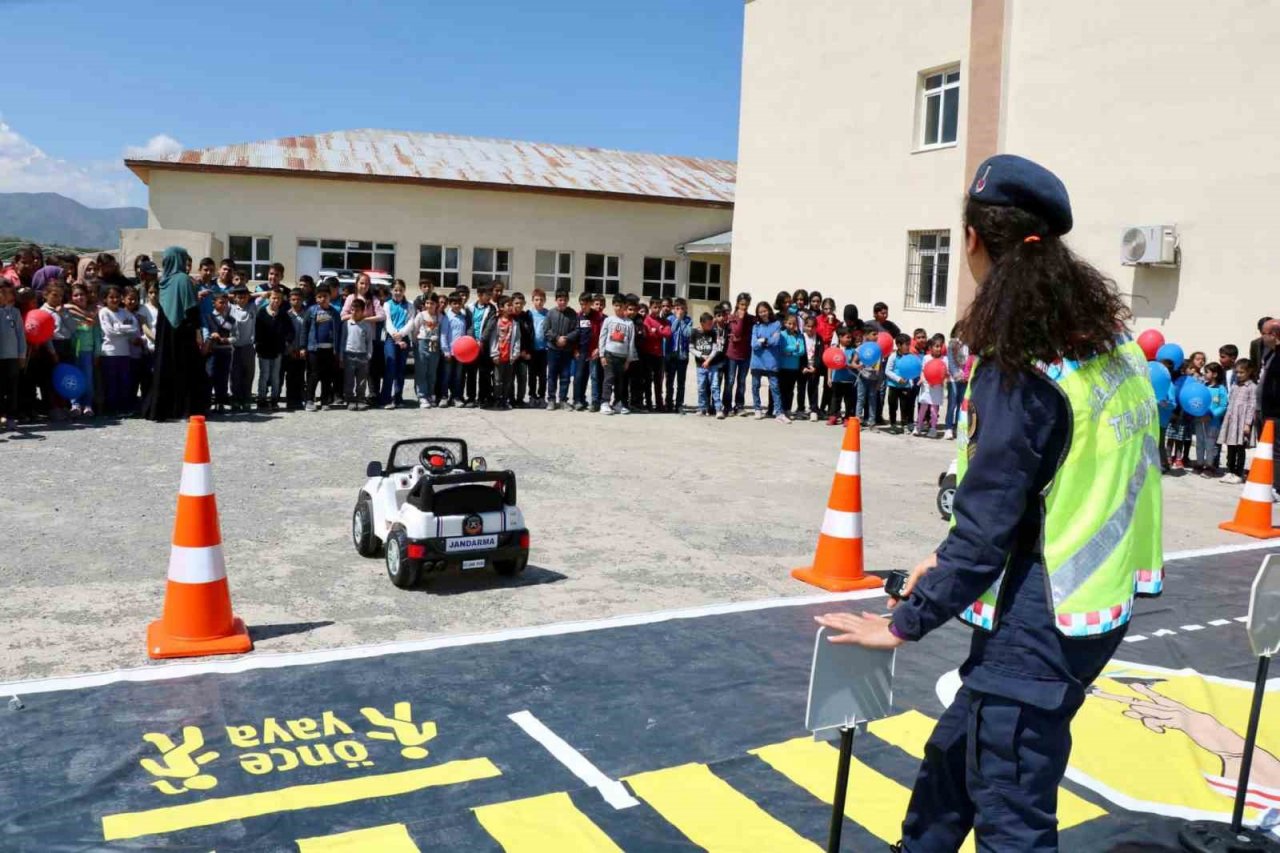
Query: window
x=439, y=265
x=357, y=255
x=659, y=277
x=490, y=265
x=602, y=273
x=940, y=108
x=928, y=262
x=704, y=281
x=251, y=254
x=553, y=271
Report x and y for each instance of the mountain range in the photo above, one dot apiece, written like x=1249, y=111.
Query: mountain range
x=54, y=218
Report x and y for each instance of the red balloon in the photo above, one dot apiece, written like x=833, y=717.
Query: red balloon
x=1151, y=341
x=38, y=325
x=885, y=340
x=466, y=350
x=834, y=358
x=935, y=372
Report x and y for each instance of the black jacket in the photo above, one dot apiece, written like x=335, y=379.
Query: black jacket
x=272, y=335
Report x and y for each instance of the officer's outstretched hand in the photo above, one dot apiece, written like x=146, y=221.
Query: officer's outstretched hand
x=918, y=572
x=865, y=629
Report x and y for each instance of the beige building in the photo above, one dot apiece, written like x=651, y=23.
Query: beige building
x=448, y=209
x=862, y=123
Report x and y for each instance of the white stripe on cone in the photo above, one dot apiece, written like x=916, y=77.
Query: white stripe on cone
x=1262, y=451
x=842, y=525
x=196, y=565
x=850, y=463
x=197, y=479
x=1259, y=492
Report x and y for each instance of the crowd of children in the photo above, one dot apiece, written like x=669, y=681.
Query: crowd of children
x=1231, y=422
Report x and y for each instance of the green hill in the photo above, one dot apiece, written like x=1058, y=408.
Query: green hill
x=49, y=218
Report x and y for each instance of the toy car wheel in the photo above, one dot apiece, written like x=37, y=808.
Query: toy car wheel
x=402, y=571
x=946, y=495
x=510, y=567
x=362, y=528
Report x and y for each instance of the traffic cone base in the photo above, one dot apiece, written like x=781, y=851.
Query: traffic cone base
x=811, y=576
x=161, y=645
x=1253, y=512
x=1247, y=530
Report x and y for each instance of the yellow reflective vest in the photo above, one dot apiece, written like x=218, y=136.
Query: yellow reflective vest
x=1101, y=512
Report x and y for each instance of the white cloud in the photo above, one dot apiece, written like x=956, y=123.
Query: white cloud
x=160, y=145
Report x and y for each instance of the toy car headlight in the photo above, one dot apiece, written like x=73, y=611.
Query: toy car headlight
x=478, y=463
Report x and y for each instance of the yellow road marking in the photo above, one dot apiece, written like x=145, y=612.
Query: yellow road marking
x=392, y=838
x=296, y=798
x=546, y=824
x=712, y=814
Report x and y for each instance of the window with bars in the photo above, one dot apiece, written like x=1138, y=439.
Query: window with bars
x=553, y=270
x=939, y=107
x=438, y=265
x=602, y=273
x=490, y=265
x=928, y=263
x=704, y=281
x=659, y=277
x=251, y=254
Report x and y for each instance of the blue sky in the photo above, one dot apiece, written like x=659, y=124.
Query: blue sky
x=645, y=75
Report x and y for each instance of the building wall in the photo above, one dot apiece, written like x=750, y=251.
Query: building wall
x=1155, y=113
x=829, y=179
x=287, y=209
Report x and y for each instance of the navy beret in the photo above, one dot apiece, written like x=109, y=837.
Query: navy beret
x=1007, y=180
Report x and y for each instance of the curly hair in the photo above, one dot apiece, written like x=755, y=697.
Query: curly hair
x=1039, y=301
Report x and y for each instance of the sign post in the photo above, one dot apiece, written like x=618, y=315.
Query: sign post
x=848, y=686
x=1264, y=638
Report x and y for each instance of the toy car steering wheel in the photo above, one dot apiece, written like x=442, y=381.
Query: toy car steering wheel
x=436, y=458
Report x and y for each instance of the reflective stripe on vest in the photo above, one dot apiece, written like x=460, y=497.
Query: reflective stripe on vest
x=1101, y=512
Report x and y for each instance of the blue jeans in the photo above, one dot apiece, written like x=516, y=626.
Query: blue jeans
x=559, y=375
x=775, y=395
x=677, y=372
x=868, y=399
x=396, y=361
x=735, y=383
x=452, y=381
x=955, y=394
x=709, y=381
x=425, y=369
x=84, y=361
x=585, y=371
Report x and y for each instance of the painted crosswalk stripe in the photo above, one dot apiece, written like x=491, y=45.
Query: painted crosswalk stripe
x=1163, y=632
x=1136, y=638
x=1220, y=622
x=713, y=814
x=614, y=793
x=391, y=838
x=546, y=824
x=1192, y=628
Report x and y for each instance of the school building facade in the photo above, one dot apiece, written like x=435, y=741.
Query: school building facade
x=862, y=124
x=454, y=210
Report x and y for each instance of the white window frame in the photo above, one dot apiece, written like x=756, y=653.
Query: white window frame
x=705, y=285
x=916, y=257
x=666, y=287
x=493, y=273
x=248, y=265
x=605, y=284
x=558, y=279
x=949, y=88
x=376, y=248
x=444, y=269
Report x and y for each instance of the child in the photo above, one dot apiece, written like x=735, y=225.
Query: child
x=869, y=382
x=706, y=345
x=395, y=346
x=657, y=331
x=426, y=356
x=677, y=358
x=219, y=329
x=929, y=396
x=142, y=352
x=525, y=322
x=454, y=325
x=272, y=338
x=766, y=345
x=357, y=350
x=477, y=376
x=589, y=366
x=1208, y=426
x=1227, y=355
x=841, y=381
x=790, y=360
x=1181, y=430
x=899, y=388
x=1195, y=365
x=1237, y=424
x=243, y=354
x=503, y=346
x=959, y=364
x=323, y=334
x=738, y=354
x=119, y=328
x=617, y=345
x=86, y=346
x=295, y=363
x=637, y=387
x=807, y=387
x=826, y=327
x=538, y=348
x=58, y=349
x=560, y=331
x=13, y=355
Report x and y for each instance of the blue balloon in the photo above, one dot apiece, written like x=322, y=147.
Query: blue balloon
x=909, y=367
x=1161, y=381
x=1195, y=398
x=1173, y=353
x=68, y=381
x=869, y=353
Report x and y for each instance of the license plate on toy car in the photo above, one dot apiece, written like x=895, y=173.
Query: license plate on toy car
x=470, y=543
x=473, y=564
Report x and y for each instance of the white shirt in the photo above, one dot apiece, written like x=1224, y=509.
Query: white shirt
x=119, y=328
x=147, y=317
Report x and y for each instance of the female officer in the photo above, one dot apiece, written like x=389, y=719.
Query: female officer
x=1056, y=525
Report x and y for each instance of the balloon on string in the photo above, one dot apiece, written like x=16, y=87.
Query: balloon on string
x=1151, y=340
x=466, y=349
x=935, y=372
x=1195, y=398
x=68, y=381
x=38, y=326
x=1173, y=353
x=1161, y=381
x=834, y=358
x=869, y=353
x=909, y=367
x=885, y=341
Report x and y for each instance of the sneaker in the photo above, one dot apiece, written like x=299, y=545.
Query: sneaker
x=450, y=403
x=551, y=406
x=951, y=435
x=719, y=416
x=745, y=413
x=77, y=411
x=1230, y=479
x=310, y=407
x=782, y=419
x=606, y=409
x=424, y=404
x=594, y=409
x=832, y=421
x=88, y=412
x=579, y=407
x=759, y=415
x=623, y=410
x=813, y=417
x=389, y=406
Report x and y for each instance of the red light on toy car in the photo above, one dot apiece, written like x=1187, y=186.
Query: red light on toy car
x=524, y=540
x=416, y=551
x=436, y=461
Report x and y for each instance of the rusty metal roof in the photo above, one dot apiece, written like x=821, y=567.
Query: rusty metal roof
x=445, y=159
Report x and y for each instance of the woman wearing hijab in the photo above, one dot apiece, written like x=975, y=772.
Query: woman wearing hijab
x=87, y=271
x=180, y=385
x=45, y=275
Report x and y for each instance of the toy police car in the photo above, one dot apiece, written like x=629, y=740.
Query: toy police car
x=431, y=508
x=947, y=491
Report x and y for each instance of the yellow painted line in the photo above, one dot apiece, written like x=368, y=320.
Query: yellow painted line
x=546, y=824
x=392, y=838
x=712, y=814
x=296, y=798
x=910, y=730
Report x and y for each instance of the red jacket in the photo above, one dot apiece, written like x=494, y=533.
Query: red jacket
x=655, y=332
x=824, y=328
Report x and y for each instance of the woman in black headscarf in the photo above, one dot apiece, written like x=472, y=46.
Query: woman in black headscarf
x=180, y=386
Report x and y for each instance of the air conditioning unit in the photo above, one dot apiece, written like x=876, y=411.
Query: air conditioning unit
x=1149, y=244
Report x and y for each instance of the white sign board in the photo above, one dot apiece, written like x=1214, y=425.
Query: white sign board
x=1264, y=609
x=848, y=684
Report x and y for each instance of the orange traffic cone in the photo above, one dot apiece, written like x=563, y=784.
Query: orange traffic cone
x=1253, y=513
x=197, y=617
x=837, y=565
